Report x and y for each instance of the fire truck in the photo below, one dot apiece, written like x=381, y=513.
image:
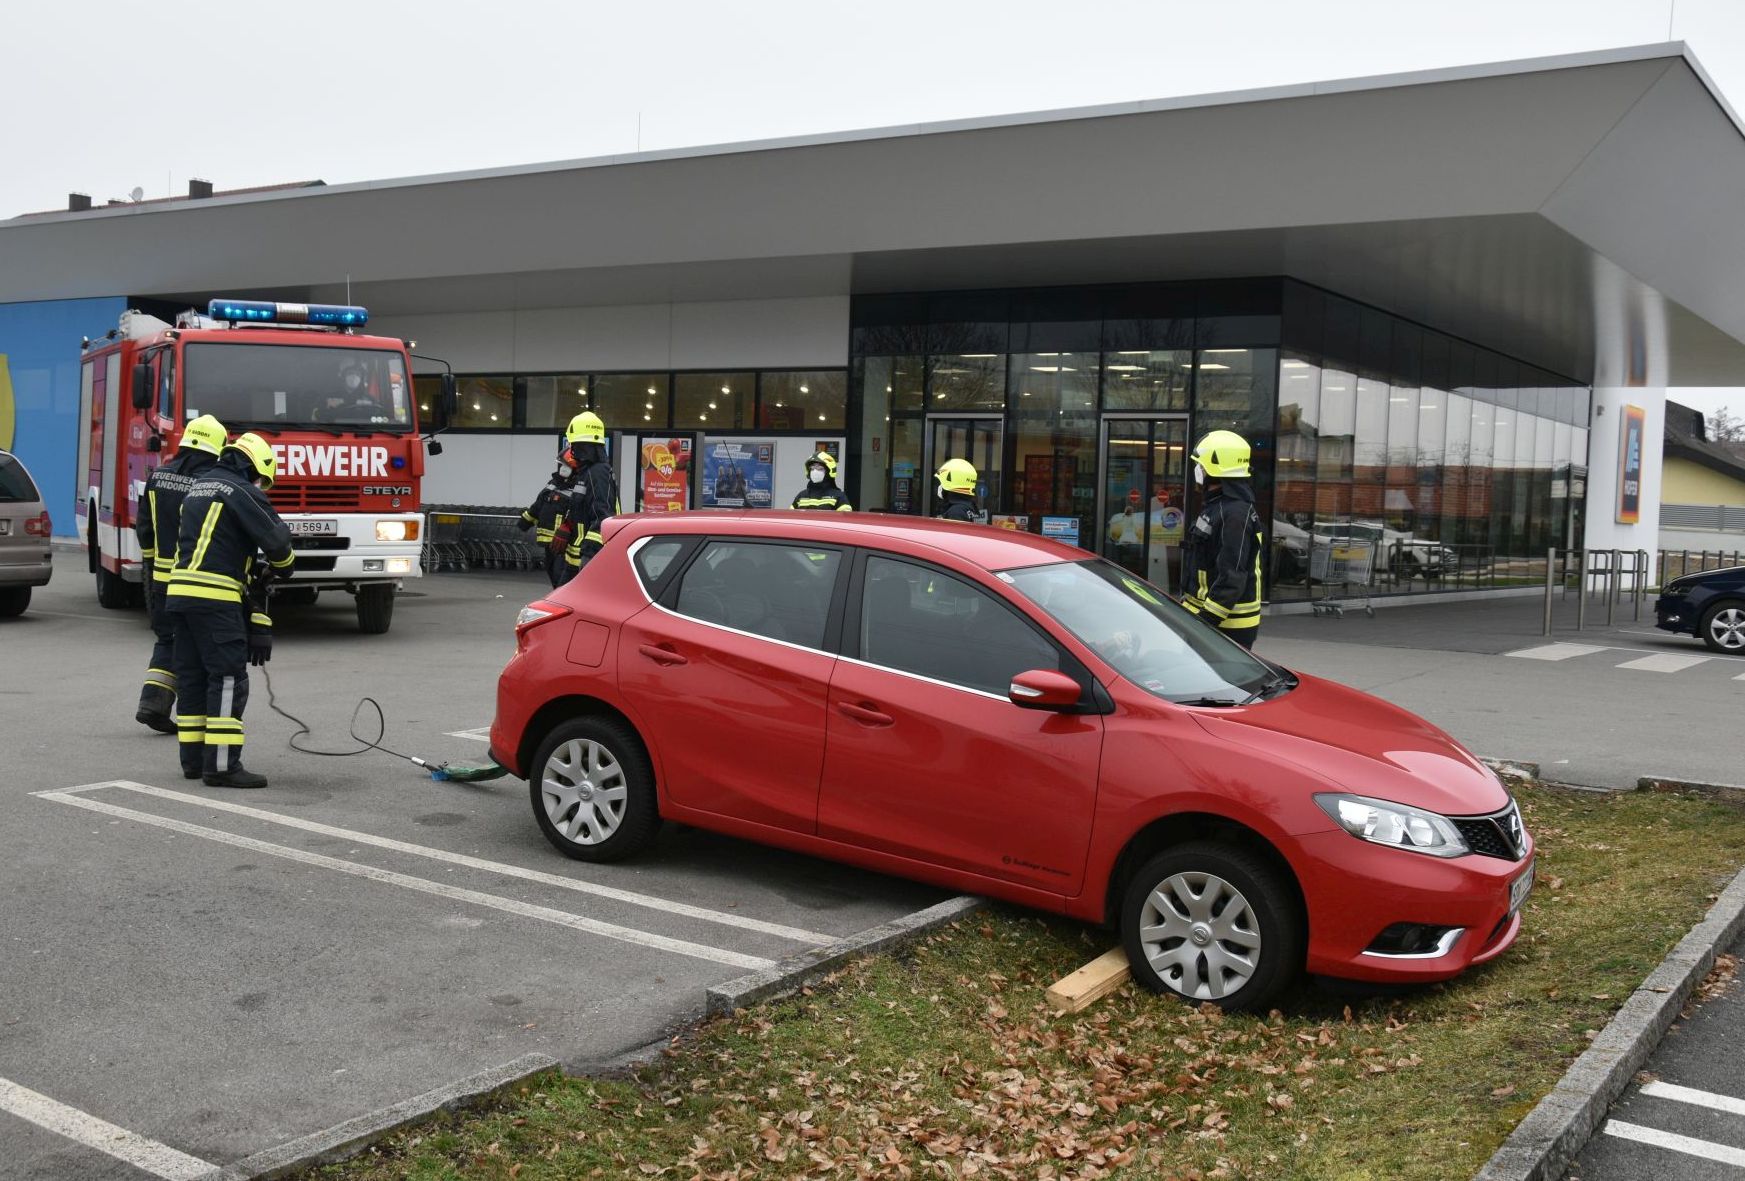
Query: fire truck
x=337, y=406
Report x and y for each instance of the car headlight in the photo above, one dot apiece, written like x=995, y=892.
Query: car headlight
x=396, y=530
x=1398, y=826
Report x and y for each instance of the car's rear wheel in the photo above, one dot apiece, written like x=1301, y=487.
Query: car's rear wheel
x=1723, y=627
x=13, y=600
x=1209, y=921
x=593, y=791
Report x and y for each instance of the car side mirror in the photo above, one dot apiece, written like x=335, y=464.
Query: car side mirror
x=155, y=444
x=1044, y=689
x=450, y=398
x=142, y=387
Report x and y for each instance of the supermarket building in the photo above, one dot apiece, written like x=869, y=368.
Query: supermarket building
x=1445, y=307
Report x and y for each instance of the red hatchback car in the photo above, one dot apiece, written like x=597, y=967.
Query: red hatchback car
x=993, y=712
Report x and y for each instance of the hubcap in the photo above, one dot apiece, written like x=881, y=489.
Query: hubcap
x=1200, y=935
x=1728, y=628
x=583, y=789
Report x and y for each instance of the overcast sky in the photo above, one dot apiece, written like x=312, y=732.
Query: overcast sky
x=101, y=96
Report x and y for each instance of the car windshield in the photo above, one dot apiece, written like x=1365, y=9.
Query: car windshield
x=15, y=485
x=1143, y=635
x=283, y=387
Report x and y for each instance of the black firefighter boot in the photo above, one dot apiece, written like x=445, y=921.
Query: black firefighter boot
x=237, y=776
x=155, y=702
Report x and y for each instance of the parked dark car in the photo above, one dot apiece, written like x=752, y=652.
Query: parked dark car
x=1710, y=606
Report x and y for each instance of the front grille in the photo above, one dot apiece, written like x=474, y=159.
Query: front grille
x=302, y=543
x=313, y=564
x=1491, y=835
x=303, y=498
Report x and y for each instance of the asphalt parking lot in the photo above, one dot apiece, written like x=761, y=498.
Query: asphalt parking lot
x=194, y=975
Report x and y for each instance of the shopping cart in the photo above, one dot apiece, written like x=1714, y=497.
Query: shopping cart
x=1346, y=564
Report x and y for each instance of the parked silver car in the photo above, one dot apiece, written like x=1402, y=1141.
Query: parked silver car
x=25, y=560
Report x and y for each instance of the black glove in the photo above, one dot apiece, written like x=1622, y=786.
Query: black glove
x=524, y=523
x=260, y=638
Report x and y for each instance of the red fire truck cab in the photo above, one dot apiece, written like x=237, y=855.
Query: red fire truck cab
x=337, y=406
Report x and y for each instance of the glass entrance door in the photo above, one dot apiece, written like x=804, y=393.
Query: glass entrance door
x=1143, y=502
x=979, y=440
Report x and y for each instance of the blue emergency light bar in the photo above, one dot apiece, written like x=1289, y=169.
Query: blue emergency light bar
x=254, y=311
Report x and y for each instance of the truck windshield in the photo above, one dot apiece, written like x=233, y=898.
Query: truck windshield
x=284, y=386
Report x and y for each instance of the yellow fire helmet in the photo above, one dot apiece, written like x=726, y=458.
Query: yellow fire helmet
x=260, y=457
x=1223, y=454
x=825, y=460
x=957, y=475
x=204, y=434
x=586, y=427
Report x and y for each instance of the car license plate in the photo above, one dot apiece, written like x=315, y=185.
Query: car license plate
x=5, y=528
x=313, y=528
x=1520, y=888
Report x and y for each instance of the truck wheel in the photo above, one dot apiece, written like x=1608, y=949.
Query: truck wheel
x=13, y=601
x=375, y=609
x=111, y=589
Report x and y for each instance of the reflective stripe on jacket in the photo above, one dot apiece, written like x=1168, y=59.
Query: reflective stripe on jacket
x=224, y=520
x=160, y=509
x=594, y=498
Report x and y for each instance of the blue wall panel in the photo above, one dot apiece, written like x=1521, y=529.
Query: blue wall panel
x=39, y=365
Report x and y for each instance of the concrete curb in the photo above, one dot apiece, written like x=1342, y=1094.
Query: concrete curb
x=1724, y=791
x=1542, y=1146
x=788, y=975
x=347, y=1139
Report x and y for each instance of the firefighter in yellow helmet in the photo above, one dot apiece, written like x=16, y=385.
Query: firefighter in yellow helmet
x=595, y=495
x=1221, y=557
x=957, y=491
x=546, y=516
x=160, y=514
x=821, y=491
x=226, y=518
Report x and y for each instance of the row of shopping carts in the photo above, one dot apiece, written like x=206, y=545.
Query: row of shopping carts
x=474, y=537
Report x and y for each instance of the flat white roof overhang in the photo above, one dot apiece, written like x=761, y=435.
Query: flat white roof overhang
x=1573, y=211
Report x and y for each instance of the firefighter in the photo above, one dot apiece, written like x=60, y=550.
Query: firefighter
x=160, y=510
x=546, y=516
x=821, y=491
x=595, y=496
x=957, y=491
x=1221, y=558
x=226, y=517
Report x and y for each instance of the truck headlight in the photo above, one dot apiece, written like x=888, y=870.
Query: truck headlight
x=396, y=530
x=1398, y=826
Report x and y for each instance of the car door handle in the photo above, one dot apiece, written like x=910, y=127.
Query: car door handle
x=661, y=655
x=865, y=714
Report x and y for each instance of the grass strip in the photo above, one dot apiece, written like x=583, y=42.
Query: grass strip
x=944, y=1062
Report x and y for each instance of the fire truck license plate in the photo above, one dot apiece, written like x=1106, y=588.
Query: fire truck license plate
x=313, y=528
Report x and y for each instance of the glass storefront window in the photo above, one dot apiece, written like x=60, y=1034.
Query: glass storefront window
x=1293, y=513
x=631, y=401
x=908, y=490
x=553, y=401
x=802, y=401
x=486, y=404
x=713, y=401
x=1054, y=411
x=966, y=381
x=1147, y=379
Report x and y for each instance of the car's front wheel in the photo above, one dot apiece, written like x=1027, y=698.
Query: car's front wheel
x=1210, y=921
x=593, y=791
x=1723, y=628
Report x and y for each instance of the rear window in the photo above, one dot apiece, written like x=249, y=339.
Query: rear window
x=15, y=482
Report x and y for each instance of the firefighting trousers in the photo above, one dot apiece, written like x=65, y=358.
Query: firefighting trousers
x=211, y=666
x=556, y=569
x=161, y=671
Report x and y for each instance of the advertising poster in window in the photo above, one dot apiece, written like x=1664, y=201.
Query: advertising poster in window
x=1632, y=424
x=665, y=475
x=738, y=473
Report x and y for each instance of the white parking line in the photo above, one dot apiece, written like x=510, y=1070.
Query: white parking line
x=1689, y=1145
x=1693, y=1096
x=1664, y=662
x=160, y=1160
x=743, y=922
x=1555, y=651
x=476, y=734
x=406, y=881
